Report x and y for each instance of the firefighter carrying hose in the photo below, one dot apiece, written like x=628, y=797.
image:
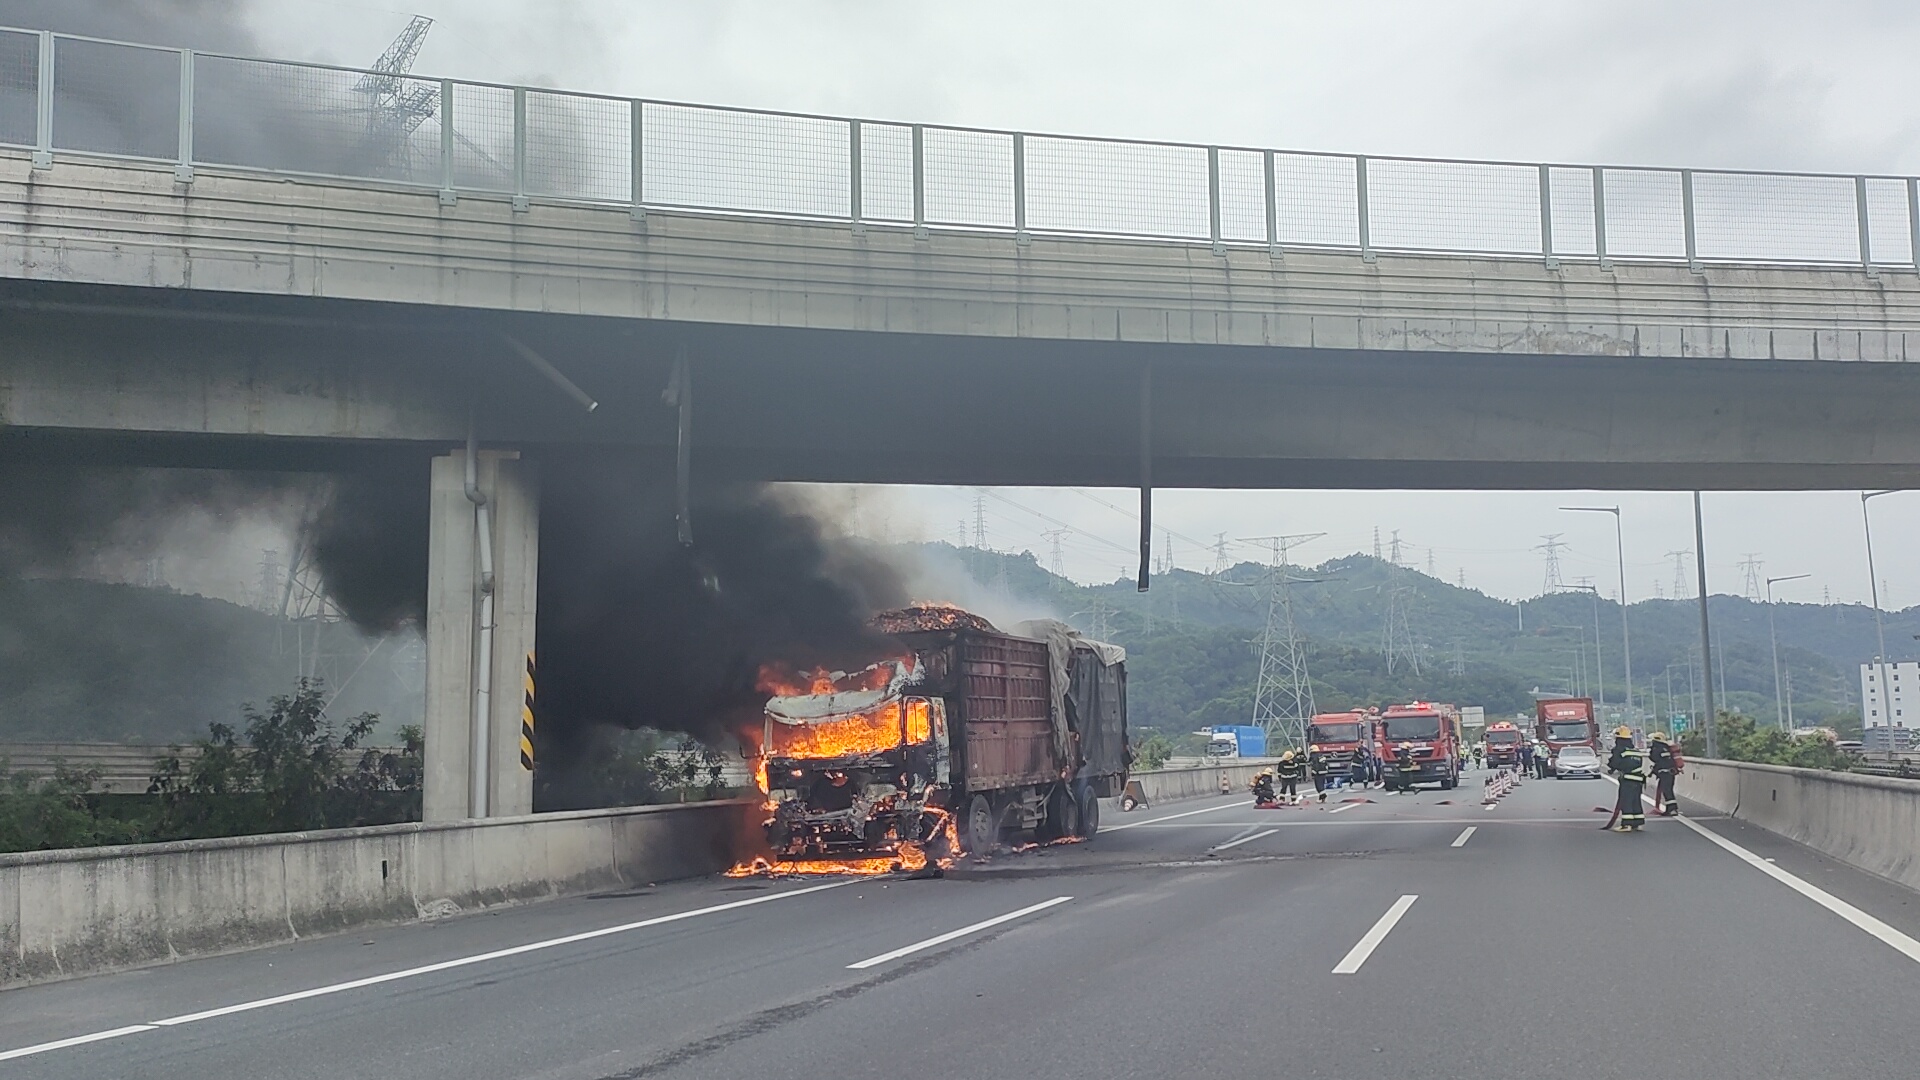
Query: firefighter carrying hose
x=1665, y=763
x=1629, y=764
x=1322, y=769
x=1292, y=771
x=1407, y=768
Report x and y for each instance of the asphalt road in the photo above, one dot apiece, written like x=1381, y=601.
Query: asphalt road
x=1202, y=938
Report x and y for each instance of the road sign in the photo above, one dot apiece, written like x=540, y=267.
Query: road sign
x=1679, y=723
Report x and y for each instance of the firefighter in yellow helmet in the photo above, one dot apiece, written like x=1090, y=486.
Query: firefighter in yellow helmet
x=1407, y=768
x=1262, y=788
x=1321, y=769
x=1628, y=763
x=1292, y=770
x=1664, y=764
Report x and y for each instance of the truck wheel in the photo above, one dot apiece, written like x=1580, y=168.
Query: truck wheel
x=1063, y=816
x=1446, y=783
x=1089, y=823
x=981, y=830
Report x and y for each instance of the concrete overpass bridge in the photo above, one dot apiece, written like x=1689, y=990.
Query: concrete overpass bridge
x=227, y=261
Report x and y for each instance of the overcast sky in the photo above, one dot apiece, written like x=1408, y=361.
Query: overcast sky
x=1753, y=83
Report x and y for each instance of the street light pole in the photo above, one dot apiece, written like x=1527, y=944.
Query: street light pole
x=1779, y=712
x=1620, y=555
x=1706, y=630
x=1879, y=629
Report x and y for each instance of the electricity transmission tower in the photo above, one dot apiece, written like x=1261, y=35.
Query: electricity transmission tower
x=1056, y=559
x=1750, y=562
x=1680, y=591
x=1283, y=693
x=1459, y=665
x=1394, y=548
x=1430, y=571
x=1219, y=554
x=1396, y=638
x=980, y=521
x=1553, y=547
x=396, y=105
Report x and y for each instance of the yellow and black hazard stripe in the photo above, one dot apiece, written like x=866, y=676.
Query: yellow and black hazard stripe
x=526, y=717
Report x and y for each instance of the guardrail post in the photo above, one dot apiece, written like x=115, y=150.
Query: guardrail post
x=1546, y=218
x=1686, y=219
x=853, y=177
x=43, y=114
x=1600, y=217
x=636, y=166
x=1213, y=201
x=448, y=196
x=1273, y=207
x=1860, y=211
x=520, y=202
x=183, y=168
x=1360, y=194
x=1913, y=221
x=1020, y=190
x=919, y=183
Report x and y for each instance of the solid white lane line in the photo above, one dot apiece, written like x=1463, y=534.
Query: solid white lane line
x=1465, y=835
x=942, y=939
x=78, y=1040
x=1170, y=817
x=497, y=954
x=1364, y=948
x=1242, y=840
x=1343, y=808
x=1825, y=899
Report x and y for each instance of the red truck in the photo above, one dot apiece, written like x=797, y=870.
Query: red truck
x=1341, y=735
x=964, y=726
x=1503, y=743
x=1433, y=731
x=1563, y=722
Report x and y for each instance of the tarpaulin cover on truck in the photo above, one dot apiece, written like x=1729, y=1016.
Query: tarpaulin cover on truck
x=1088, y=685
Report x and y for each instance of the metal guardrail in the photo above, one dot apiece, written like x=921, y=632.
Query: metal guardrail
x=62, y=94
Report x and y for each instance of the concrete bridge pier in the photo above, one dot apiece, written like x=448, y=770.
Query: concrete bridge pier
x=455, y=606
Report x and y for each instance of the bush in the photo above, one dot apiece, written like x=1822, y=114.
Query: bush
x=1741, y=739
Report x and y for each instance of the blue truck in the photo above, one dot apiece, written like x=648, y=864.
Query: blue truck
x=1237, y=740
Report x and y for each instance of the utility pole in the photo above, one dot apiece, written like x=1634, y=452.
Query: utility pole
x=1552, y=547
x=1283, y=693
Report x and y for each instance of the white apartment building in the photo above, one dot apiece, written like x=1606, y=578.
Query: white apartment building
x=1887, y=706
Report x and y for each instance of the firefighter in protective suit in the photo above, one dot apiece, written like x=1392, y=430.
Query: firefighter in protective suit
x=1262, y=788
x=1628, y=764
x=1321, y=770
x=1292, y=771
x=1407, y=768
x=1664, y=763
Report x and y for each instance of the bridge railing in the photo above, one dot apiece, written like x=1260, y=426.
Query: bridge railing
x=62, y=94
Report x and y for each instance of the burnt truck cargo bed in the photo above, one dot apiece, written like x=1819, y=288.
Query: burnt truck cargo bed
x=995, y=686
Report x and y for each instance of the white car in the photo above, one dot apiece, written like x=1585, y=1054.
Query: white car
x=1576, y=761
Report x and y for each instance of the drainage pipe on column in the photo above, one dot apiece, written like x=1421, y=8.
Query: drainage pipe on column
x=481, y=732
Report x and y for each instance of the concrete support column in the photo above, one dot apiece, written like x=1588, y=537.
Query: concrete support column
x=453, y=612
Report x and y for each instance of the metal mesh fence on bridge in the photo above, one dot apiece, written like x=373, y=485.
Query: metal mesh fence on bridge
x=64, y=95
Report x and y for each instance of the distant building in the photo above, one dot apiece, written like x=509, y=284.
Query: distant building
x=1883, y=709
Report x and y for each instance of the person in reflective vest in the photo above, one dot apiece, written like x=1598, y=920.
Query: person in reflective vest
x=1292, y=770
x=1665, y=763
x=1408, y=768
x=1321, y=768
x=1628, y=764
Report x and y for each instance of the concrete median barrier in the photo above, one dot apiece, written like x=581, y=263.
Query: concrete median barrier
x=72, y=912
x=1868, y=822
x=1171, y=785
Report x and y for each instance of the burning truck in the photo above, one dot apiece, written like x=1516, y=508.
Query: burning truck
x=963, y=737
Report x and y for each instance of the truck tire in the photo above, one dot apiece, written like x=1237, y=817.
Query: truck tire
x=982, y=829
x=1063, y=816
x=1446, y=783
x=1089, y=824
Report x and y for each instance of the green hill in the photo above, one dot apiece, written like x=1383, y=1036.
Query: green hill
x=1193, y=659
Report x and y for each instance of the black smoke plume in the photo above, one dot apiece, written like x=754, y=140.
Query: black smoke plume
x=636, y=630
